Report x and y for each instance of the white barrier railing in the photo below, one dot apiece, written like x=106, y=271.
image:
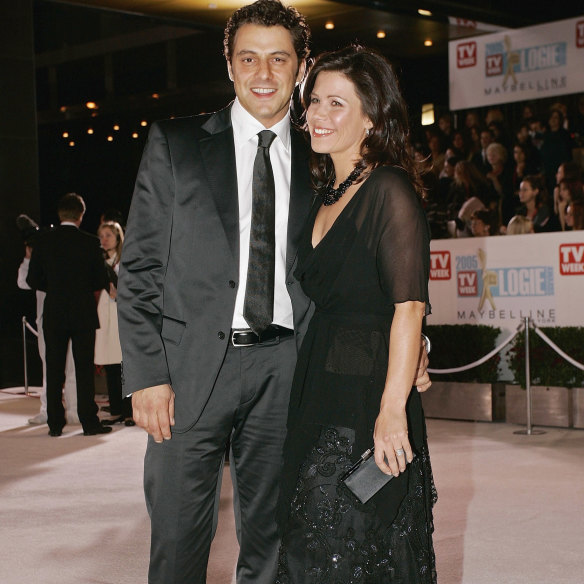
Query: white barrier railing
x=523, y=326
x=30, y=328
x=557, y=349
x=482, y=359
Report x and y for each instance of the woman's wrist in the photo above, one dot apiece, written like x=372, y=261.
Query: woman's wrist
x=391, y=402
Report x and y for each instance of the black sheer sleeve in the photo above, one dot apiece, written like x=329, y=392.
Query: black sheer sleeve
x=403, y=251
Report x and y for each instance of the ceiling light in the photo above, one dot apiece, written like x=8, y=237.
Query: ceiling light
x=155, y=96
x=90, y=130
x=380, y=34
x=135, y=135
x=63, y=109
x=329, y=25
x=91, y=105
x=143, y=123
x=116, y=127
x=428, y=43
x=71, y=143
x=423, y=12
x=65, y=134
x=427, y=114
x=110, y=138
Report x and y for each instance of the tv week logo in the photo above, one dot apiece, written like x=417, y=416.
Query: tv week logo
x=580, y=34
x=494, y=65
x=466, y=54
x=440, y=265
x=467, y=283
x=572, y=259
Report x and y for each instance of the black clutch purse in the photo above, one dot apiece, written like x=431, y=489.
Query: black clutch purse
x=364, y=478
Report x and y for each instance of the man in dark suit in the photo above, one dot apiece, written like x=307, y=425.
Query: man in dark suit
x=68, y=265
x=191, y=358
x=479, y=159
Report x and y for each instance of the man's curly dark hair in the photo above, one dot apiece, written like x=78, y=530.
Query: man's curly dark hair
x=269, y=13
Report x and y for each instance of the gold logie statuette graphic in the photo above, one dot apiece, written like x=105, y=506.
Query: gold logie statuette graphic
x=513, y=58
x=490, y=278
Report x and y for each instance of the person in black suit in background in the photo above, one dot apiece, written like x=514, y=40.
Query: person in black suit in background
x=67, y=264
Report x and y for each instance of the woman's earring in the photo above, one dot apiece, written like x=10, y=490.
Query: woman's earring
x=367, y=132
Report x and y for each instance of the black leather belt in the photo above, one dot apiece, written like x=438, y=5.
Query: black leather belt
x=247, y=338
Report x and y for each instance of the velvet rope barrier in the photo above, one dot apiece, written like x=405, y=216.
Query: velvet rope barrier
x=482, y=359
x=556, y=348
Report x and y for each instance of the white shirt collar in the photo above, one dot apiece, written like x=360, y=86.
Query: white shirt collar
x=246, y=127
x=68, y=223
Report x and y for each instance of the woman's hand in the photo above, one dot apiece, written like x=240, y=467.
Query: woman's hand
x=392, y=446
x=113, y=291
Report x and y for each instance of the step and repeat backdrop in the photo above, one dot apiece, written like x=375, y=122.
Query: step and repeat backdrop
x=500, y=280
x=516, y=65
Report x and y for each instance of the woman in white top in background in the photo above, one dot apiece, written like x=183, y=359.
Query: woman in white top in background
x=107, y=341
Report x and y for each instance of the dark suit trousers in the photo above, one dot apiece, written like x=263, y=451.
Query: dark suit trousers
x=83, y=346
x=118, y=405
x=249, y=402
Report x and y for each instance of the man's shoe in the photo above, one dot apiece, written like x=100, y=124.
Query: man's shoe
x=55, y=433
x=38, y=419
x=97, y=430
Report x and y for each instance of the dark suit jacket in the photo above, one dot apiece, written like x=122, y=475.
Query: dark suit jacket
x=67, y=264
x=482, y=165
x=180, y=264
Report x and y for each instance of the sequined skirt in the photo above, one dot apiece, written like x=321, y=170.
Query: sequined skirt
x=332, y=538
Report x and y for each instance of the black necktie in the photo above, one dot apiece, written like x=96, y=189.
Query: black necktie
x=258, y=308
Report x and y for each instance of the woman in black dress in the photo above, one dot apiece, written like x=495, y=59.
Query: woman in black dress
x=364, y=261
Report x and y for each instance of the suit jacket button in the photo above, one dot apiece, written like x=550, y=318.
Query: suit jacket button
x=221, y=335
x=231, y=284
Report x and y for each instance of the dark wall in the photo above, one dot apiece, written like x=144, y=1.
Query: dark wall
x=18, y=172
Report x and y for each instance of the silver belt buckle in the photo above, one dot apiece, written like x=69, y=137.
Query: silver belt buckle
x=234, y=332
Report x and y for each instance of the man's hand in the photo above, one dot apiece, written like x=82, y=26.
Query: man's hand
x=154, y=411
x=423, y=381
x=113, y=291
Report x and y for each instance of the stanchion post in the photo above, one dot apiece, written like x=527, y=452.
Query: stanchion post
x=527, y=377
x=528, y=430
x=24, y=355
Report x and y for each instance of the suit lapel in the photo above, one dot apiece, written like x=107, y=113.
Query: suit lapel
x=301, y=195
x=218, y=155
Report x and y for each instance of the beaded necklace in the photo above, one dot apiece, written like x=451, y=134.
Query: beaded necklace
x=331, y=195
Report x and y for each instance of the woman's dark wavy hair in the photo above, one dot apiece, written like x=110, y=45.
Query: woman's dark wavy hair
x=537, y=182
x=471, y=176
x=376, y=84
x=269, y=13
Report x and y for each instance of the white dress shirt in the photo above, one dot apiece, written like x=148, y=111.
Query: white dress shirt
x=245, y=130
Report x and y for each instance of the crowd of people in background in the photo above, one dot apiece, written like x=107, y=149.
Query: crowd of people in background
x=491, y=177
